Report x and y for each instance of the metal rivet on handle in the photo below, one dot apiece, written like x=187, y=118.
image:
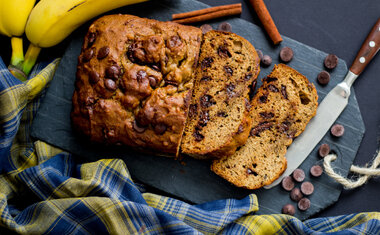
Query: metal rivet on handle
x=362, y=60
x=372, y=44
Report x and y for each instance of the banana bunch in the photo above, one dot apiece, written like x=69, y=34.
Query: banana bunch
x=13, y=17
x=51, y=21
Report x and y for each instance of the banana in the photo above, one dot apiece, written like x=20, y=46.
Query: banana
x=51, y=21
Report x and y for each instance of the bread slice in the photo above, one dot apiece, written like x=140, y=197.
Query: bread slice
x=281, y=108
x=218, y=121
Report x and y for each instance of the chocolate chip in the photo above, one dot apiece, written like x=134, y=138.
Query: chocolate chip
x=272, y=88
x=91, y=39
x=304, y=204
x=270, y=79
x=228, y=70
x=252, y=172
x=316, y=170
x=287, y=183
x=222, y=114
x=307, y=188
x=266, y=61
x=88, y=54
x=113, y=71
x=206, y=78
x=198, y=136
x=206, y=101
x=323, y=78
x=138, y=128
x=140, y=76
x=263, y=99
x=267, y=115
x=253, y=85
x=230, y=88
x=103, y=52
x=337, y=130
x=206, y=28
x=110, y=84
x=174, y=41
x=152, y=81
x=94, y=77
x=260, y=128
x=248, y=76
x=284, y=126
x=283, y=92
x=288, y=209
x=286, y=54
x=156, y=67
x=224, y=52
x=260, y=54
x=90, y=101
x=240, y=129
x=204, y=117
x=170, y=82
x=206, y=62
x=324, y=150
x=226, y=27
x=298, y=175
x=160, y=129
x=331, y=61
x=247, y=105
x=193, y=110
x=296, y=194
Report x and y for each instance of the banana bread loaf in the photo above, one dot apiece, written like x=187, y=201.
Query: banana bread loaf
x=218, y=120
x=281, y=108
x=134, y=82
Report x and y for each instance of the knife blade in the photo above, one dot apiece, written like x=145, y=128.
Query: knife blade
x=331, y=107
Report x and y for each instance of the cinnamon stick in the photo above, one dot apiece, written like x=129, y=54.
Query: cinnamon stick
x=266, y=19
x=209, y=16
x=205, y=11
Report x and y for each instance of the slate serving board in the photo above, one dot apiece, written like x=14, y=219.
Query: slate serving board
x=192, y=180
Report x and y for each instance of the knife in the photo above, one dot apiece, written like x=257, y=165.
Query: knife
x=331, y=106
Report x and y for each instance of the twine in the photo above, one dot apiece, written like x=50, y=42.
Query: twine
x=366, y=173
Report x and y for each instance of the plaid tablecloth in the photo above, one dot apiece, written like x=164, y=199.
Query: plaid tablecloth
x=43, y=190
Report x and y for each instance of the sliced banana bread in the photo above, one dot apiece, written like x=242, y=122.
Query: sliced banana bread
x=218, y=121
x=281, y=108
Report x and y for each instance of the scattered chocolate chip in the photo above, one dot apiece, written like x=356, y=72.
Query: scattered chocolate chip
x=240, y=129
x=247, y=104
x=138, y=128
x=323, y=77
x=91, y=39
x=266, y=61
x=170, y=82
x=205, y=79
x=113, y=71
x=206, y=62
x=284, y=126
x=307, y=188
x=228, y=70
x=283, y=92
x=174, y=41
x=226, y=27
x=110, y=84
x=298, y=175
x=94, y=77
x=248, y=76
x=252, y=172
x=286, y=54
x=160, y=129
x=198, y=136
x=331, y=61
x=156, y=67
x=296, y=194
x=260, y=128
x=288, y=209
x=263, y=99
x=221, y=114
x=206, y=28
x=230, y=88
x=337, y=130
x=103, y=52
x=253, y=85
x=260, y=54
x=88, y=54
x=267, y=115
x=224, y=52
x=270, y=79
x=304, y=204
x=152, y=81
x=272, y=88
x=324, y=150
x=316, y=170
x=193, y=110
x=140, y=76
x=204, y=117
x=206, y=101
x=287, y=183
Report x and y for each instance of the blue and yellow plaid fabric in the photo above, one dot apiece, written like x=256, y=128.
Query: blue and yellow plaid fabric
x=43, y=190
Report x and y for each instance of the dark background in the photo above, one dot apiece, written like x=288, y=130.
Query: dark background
x=337, y=27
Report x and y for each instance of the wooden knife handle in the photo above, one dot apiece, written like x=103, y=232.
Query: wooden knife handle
x=368, y=50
